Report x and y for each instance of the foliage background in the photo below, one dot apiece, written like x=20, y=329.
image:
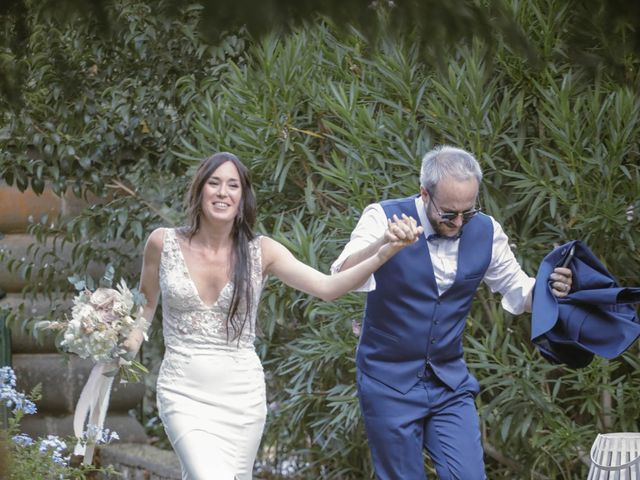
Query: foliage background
x=330, y=118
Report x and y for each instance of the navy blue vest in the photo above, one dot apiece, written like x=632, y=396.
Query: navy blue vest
x=407, y=324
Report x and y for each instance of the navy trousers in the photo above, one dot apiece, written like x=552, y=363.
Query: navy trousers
x=430, y=416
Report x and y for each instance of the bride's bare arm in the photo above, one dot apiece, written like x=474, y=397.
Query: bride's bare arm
x=280, y=262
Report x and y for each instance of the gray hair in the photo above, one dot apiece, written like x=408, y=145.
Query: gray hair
x=446, y=161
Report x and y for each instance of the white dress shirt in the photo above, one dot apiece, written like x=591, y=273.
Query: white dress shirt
x=504, y=274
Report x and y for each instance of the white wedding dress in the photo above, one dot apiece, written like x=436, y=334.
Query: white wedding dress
x=210, y=391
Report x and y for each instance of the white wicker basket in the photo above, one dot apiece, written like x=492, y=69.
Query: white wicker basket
x=615, y=456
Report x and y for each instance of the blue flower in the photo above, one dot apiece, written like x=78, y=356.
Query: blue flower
x=10, y=397
x=108, y=436
x=23, y=440
x=95, y=435
x=53, y=442
x=7, y=377
x=16, y=400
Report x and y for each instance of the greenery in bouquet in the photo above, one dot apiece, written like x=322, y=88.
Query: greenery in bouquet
x=101, y=320
x=25, y=458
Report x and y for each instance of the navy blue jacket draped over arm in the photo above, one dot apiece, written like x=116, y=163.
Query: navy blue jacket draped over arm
x=596, y=317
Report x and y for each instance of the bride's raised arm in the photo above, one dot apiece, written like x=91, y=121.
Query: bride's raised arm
x=280, y=262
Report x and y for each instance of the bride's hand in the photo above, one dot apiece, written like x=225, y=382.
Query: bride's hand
x=134, y=341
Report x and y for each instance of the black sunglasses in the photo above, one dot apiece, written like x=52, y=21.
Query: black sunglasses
x=451, y=216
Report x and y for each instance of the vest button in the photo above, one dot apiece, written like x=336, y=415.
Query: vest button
x=436, y=322
x=433, y=340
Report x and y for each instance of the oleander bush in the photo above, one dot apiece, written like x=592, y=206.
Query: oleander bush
x=329, y=120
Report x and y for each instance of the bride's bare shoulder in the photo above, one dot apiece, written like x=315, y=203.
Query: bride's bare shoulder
x=155, y=241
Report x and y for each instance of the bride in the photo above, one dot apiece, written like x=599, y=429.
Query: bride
x=210, y=273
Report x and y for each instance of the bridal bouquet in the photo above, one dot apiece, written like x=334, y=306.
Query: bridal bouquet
x=100, y=322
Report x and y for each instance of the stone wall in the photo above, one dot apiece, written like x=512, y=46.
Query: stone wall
x=60, y=377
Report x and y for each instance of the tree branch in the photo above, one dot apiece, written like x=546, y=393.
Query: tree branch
x=118, y=185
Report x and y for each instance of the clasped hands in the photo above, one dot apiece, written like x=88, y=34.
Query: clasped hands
x=402, y=231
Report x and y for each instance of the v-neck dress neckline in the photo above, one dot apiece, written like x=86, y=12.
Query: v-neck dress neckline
x=187, y=273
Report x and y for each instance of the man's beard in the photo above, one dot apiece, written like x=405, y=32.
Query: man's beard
x=441, y=228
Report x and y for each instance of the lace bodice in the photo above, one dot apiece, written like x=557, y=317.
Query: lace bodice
x=188, y=324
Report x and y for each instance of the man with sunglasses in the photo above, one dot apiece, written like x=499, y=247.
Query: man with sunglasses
x=414, y=388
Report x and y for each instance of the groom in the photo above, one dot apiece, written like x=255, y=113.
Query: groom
x=414, y=388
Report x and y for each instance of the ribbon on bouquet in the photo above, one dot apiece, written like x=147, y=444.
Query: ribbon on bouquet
x=93, y=403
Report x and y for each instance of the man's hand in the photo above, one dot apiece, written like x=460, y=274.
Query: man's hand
x=402, y=231
x=561, y=280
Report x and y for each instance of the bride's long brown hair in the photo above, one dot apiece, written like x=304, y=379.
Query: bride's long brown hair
x=242, y=234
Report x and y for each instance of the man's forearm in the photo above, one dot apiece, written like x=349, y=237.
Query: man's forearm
x=361, y=255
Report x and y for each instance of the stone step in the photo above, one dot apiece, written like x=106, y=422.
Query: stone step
x=135, y=461
x=62, y=380
x=16, y=245
x=21, y=341
x=33, y=306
